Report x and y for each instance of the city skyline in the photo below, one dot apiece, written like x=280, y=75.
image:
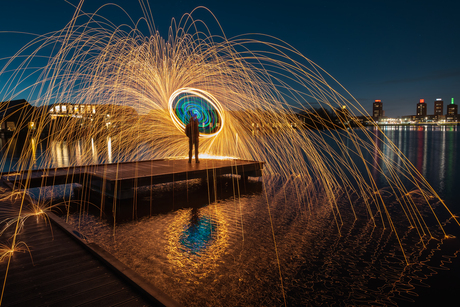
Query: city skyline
x=437, y=108
x=396, y=52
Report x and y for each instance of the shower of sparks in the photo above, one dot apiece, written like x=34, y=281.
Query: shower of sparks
x=12, y=215
x=7, y=251
x=136, y=82
x=138, y=88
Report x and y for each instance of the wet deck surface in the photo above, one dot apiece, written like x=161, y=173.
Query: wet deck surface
x=61, y=271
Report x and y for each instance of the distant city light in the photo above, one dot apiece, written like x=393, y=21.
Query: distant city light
x=421, y=117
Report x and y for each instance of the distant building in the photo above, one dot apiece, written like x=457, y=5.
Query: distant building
x=96, y=115
x=377, y=110
x=452, y=112
x=408, y=119
x=15, y=116
x=421, y=108
x=438, y=107
x=88, y=111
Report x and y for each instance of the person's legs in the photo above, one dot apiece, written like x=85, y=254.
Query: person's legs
x=190, y=150
x=196, y=151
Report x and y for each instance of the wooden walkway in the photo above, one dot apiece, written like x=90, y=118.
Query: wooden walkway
x=68, y=271
x=118, y=179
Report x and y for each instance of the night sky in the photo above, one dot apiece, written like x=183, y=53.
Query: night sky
x=396, y=51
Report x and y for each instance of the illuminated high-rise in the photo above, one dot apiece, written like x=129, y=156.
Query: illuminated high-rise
x=377, y=109
x=452, y=111
x=438, y=107
x=421, y=108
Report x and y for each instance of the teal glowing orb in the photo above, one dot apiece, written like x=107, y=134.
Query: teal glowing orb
x=187, y=102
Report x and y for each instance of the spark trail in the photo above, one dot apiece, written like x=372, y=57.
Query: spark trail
x=248, y=92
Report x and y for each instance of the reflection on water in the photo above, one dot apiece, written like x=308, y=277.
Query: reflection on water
x=264, y=247
x=224, y=253
x=198, y=235
x=59, y=153
x=432, y=150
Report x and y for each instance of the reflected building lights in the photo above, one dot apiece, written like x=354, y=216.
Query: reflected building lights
x=58, y=154
x=425, y=149
x=420, y=151
x=109, y=149
x=78, y=153
x=442, y=158
x=33, y=144
x=65, y=151
x=93, y=151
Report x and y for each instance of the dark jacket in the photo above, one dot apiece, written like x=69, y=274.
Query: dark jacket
x=191, y=130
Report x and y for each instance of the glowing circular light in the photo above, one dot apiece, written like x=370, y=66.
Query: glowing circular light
x=186, y=102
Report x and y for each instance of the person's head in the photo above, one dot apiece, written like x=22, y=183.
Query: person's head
x=194, y=117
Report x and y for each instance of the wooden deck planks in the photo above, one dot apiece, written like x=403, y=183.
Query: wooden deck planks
x=62, y=273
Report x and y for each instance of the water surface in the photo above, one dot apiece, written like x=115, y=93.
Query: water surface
x=257, y=243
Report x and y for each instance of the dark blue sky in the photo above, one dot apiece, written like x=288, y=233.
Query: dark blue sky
x=396, y=51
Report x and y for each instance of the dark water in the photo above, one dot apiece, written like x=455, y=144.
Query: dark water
x=257, y=243
x=433, y=151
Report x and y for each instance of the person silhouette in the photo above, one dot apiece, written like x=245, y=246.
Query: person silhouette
x=191, y=130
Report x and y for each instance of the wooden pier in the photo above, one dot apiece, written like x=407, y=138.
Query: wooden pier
x=119, y=179
x=66, y=269
x=62, y=268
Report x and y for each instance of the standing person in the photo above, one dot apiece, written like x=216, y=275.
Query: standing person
x=191, y=130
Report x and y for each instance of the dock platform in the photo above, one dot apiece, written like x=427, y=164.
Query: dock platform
x=119, y=179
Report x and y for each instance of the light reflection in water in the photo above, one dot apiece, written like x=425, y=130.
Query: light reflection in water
x=33, y=144
x=93, y=151
x=57, y=149
x=198, y=256
x=431, y=149
x=198, y=235
x=425, y=149
x=197, y=238
x=442, y=159
x=79, y=152
x=109, y=148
